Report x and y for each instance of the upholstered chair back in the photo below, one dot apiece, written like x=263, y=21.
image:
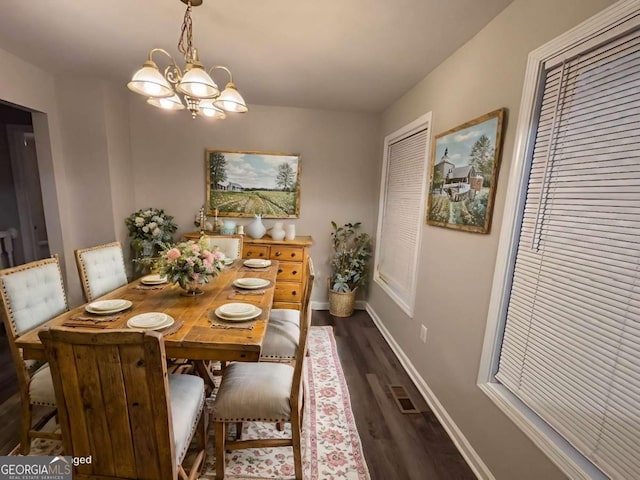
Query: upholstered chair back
x=230, y=245
x=101, y=269
x=32, y=294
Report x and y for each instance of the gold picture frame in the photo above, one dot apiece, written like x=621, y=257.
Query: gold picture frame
x=247, y=183
x=464, y=172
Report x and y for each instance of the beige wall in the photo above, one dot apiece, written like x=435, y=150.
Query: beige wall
x=339, y=165
x=453, y=288
x=94, y=119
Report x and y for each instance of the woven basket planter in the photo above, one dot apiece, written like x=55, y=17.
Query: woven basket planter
x=342, y=304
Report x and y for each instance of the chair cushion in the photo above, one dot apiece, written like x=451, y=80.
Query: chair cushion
x=105, y=271
x=186, y=397
x=41, y=388
x=254, y=392
x=35, y=296
x=282, y=335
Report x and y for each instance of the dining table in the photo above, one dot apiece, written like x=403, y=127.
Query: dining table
x=197, y=333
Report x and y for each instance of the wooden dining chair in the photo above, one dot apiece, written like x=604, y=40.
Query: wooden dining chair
x=280, y=343
x=117, y=404
x=263, y=392
x=31, y=295
x=101, y=269
x=230, y=245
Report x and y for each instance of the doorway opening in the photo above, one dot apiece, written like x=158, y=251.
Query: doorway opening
x=21, y=201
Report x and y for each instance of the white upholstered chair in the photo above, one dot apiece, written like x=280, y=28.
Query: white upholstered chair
x=31, y=295
x=230, y=245
x=120, y=407
x=101, y=269
x=280, y=343
x=263, y=392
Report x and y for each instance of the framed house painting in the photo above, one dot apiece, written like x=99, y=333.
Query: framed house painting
x=464, y=172
x=244, y=184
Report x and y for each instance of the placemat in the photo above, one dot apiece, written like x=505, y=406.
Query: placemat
x=217, y=322
x=83, y=317
x=237, y=291
x=142, y=286
x=171, y=329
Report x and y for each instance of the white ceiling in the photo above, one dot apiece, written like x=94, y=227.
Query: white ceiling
x=354, y=55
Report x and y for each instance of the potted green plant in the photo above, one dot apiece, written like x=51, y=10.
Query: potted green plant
x=349, y=262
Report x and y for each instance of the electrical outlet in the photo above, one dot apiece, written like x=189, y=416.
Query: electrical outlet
x=423, y=334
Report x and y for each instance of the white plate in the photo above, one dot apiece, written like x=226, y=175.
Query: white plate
x=256, y=313
x=228, y=261
x=150, y=321
x=251, y=283
x=256, y=263
x=236, y=309
x=103, y=305
x=154, y=279
x=126, y=304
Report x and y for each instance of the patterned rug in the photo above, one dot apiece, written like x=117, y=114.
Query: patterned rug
x=331, y=444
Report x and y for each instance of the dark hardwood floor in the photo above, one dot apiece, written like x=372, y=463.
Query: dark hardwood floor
x=396, y=445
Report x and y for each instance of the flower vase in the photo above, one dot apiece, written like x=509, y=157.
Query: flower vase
x=148, y=249
x=191, y=289
x=256, y=229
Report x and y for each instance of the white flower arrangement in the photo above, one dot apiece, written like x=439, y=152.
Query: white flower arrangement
x=150, y=225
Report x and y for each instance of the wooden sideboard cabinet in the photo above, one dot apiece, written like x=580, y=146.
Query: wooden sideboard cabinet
x=292, y=255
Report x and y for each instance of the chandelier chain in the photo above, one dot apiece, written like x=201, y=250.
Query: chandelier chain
x=185, y=43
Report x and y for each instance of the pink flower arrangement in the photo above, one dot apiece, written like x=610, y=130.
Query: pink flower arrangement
x=189, y=262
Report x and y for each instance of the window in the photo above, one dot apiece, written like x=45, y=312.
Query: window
x=562, y=354
x=401, y=212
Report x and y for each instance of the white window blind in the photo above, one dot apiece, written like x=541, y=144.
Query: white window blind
x=401, y=214
x=571, y=345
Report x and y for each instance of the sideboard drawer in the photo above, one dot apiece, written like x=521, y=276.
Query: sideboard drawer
x=255, y=251
x=287, y=292
x=289, y=254
x=290, y=272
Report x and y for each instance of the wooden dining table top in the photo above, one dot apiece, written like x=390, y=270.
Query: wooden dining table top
x=196, y=339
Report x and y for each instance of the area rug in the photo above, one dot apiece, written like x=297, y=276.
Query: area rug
x=331, y=444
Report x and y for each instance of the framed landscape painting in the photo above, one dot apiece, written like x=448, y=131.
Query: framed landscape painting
x=244, y=184
x=464, y=172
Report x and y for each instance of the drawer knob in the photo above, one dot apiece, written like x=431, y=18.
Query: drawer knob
x=293, y=254
x=261, y=254
x=294, y=293
x=295, y=272
x=279, y=270
x=278, y=254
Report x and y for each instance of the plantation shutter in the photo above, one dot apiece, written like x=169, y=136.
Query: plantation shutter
x=571, y=346
x=401, y=220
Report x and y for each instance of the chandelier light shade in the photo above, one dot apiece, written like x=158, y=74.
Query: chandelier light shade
x=191, y=87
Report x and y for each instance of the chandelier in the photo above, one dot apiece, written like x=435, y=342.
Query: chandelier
x=200, y=93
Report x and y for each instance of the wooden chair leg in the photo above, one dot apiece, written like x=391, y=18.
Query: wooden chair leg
x=25, y=428
x=238, y=430
x=280, y=426
x=221, y=434
x=296, y=437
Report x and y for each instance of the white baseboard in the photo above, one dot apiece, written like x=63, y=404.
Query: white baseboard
x=360, y=305
x=462, y=444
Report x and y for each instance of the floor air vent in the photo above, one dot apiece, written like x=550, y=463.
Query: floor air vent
x=404, y=402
